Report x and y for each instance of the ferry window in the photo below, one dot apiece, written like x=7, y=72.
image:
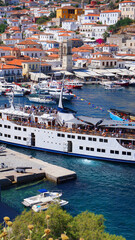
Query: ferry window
x=73, y=136
x=81, y=147
x=98, y=149
x=9, y=127
x=5, y=135
x=112, y=151
x=5, y=126
x=106, y=140
x=0, y=125
x=19, y=138
x=15, y=128
x=103, y=150
x=94, y=139
x=100, y=140
x=87, y=148
x=24, y=129
x=129, y=153
x=90, y=139
x=0, y=134
x=79, y=137
x=116, y=152
x=58, y=134
x=63, y=135
x=92, y=149
x=9, y=136
x=19, y=129
x=24, y=139
x=123, y=153
x=83, y=138
x=15, y=137
x=68, y=136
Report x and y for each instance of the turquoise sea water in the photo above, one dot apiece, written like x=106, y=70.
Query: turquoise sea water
x=101, y=187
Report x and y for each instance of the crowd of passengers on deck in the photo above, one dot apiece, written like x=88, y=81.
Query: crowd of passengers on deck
x=39, y=109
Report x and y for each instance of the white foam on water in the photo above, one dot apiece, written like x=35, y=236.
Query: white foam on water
x=87, y=161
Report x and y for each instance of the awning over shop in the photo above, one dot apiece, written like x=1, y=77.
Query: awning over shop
x=67, y=73
x=81, y=74
x=109, y=74
x=38, y=76
x=114, y=70
x=93, y=74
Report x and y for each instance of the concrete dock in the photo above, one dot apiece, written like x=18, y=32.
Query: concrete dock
x=40, y=170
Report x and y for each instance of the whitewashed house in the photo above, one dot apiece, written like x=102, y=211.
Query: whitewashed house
x=110, y=17
x=70, y=25
x=33, y=52
x=128, y=3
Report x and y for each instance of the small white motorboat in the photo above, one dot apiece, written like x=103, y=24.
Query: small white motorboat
x=42, y=100
x=44, y=206
x=15, y=93
x=112, y=86
x=43, y=197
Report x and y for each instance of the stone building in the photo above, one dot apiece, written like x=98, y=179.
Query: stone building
x=66, y=55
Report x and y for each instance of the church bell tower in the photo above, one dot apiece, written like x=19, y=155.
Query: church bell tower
x=66, y=55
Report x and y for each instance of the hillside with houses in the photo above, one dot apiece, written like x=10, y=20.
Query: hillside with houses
x=33, y=33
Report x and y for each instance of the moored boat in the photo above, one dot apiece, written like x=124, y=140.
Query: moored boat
x=121, y=115
x=113, y=86
x=45, y=206
x=43, y=197
x=123, y=83
x=61, y=131
x=73, y=84
x=43, y=100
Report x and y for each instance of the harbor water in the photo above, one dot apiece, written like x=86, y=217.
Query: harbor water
x=101, y=187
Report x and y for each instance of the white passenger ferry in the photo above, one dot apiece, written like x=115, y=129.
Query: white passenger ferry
x=59, y=131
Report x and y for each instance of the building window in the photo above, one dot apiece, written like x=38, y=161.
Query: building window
x=100, y=140
x=112, y=151
x=90, y=139
x=81, y=147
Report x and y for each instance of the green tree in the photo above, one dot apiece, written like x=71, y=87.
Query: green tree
x=2, y=27
x=57, y=221
x=42, y=19
x=88, y=226
x=17, y=8
x=52, y=15
x=122, y=22
x=111, y=6
x=105, y=35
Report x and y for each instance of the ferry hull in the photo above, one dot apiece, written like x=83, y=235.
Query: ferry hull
x=71, y=154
